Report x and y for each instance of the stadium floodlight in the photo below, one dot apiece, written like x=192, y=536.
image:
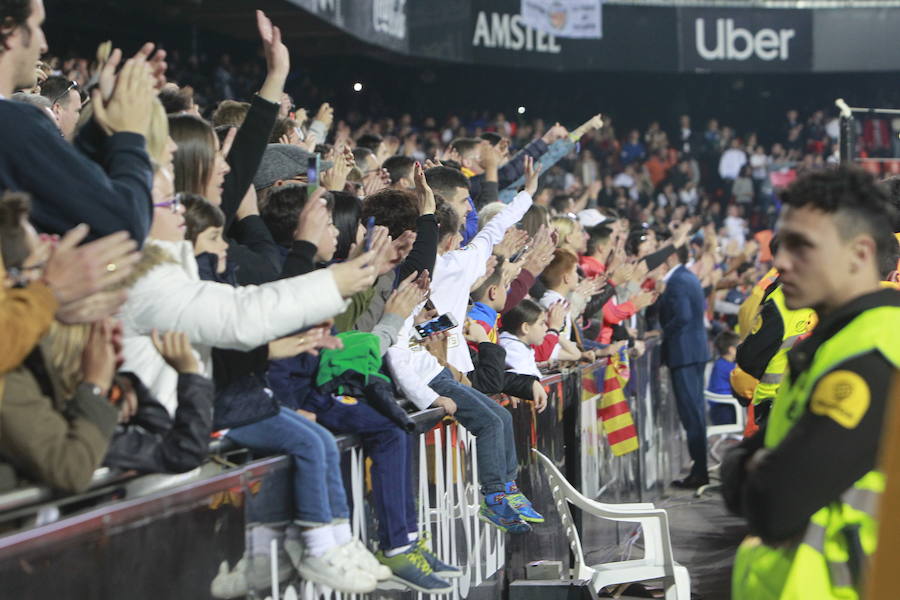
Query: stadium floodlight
x=521, y=110
x=357, y=87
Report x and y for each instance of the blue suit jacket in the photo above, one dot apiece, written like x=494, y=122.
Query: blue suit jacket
x=681, y=315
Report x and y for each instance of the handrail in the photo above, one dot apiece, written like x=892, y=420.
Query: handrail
x=38, y=495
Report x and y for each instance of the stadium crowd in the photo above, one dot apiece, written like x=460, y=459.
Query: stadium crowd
x=280, y=275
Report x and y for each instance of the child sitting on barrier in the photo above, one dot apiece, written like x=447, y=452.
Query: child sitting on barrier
x=524, y=326
x=488, y=357
x=426, y=382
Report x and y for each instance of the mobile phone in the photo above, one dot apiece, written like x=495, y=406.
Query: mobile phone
x=436, y=325
x=515, y=257
x=370, y=229
x=312, y=173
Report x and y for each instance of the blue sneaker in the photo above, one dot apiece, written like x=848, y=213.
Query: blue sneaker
x=521, y=505
x=412, y=570
x=440, y=568
x=497, y=512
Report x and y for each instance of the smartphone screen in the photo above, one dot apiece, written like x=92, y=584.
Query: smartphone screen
x=436, y=325
x=312, y=173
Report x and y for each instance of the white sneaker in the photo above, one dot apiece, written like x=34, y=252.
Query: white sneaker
x=249, y=575
x=332, y=569
x=357, y=553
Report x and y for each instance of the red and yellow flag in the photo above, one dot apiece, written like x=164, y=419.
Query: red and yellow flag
x=618, y=424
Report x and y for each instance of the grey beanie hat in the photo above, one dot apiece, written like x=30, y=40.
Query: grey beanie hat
x=283, y=162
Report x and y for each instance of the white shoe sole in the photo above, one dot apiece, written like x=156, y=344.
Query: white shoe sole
x=316, y=577
x=412, y=586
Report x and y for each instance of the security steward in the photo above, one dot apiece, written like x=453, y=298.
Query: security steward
x=808, y=483
x=762, y=356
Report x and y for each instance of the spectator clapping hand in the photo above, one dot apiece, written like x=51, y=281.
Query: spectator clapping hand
x=313, y=219
x=130, y=103
x=335, y=178
x=475, y=333
x=541, y=252
x=405, y=298
x=98, y=359
x=75, y=272
x=358, y=274
x=385, y=259
x=376, y=181
x=513, y=241
x=309, y=341
x=556, y=315
x=176, y=350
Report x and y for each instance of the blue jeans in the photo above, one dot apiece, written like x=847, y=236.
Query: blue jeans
x=390, y=449
x=491, y=424
x=319, y=496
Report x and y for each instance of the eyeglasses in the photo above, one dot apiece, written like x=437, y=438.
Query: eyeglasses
x=73, y=85
x=174, y=204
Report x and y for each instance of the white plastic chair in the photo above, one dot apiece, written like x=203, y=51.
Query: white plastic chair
x=722, y=432
x=658, y=561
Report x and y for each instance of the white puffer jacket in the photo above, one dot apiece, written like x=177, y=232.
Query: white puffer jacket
x=172, y=297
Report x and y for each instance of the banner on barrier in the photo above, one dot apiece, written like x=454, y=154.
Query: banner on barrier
x=565, y=18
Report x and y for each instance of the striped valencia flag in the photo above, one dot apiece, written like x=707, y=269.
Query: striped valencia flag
x=618, y=424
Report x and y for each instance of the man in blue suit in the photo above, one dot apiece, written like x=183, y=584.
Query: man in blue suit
x=685, y=352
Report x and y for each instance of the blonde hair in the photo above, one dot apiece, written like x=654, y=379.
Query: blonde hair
x=65, y=348
x=488, y=212
x=564, y=226
x=158, y=133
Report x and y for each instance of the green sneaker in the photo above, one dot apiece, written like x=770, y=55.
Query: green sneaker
x=437, y=565
x=412, y=570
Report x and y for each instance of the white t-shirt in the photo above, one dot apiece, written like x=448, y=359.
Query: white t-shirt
x=519, y=355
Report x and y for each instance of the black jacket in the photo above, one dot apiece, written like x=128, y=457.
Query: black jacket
x=154, y=442
x=105, y=183
x=250, y=244
x=241, y=396
x=491, y=377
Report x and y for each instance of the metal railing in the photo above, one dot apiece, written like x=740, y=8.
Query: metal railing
x=173, y=539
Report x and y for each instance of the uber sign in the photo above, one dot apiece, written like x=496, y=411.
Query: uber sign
x=745, y=39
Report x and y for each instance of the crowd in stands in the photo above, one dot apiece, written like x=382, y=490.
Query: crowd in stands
x=283, y=275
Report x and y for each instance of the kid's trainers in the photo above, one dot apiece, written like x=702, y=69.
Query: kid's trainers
x=412, y=570
x=521, y=505
x=498, y=513
x=440, y=568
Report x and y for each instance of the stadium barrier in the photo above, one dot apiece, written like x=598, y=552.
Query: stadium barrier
x=158, y=536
